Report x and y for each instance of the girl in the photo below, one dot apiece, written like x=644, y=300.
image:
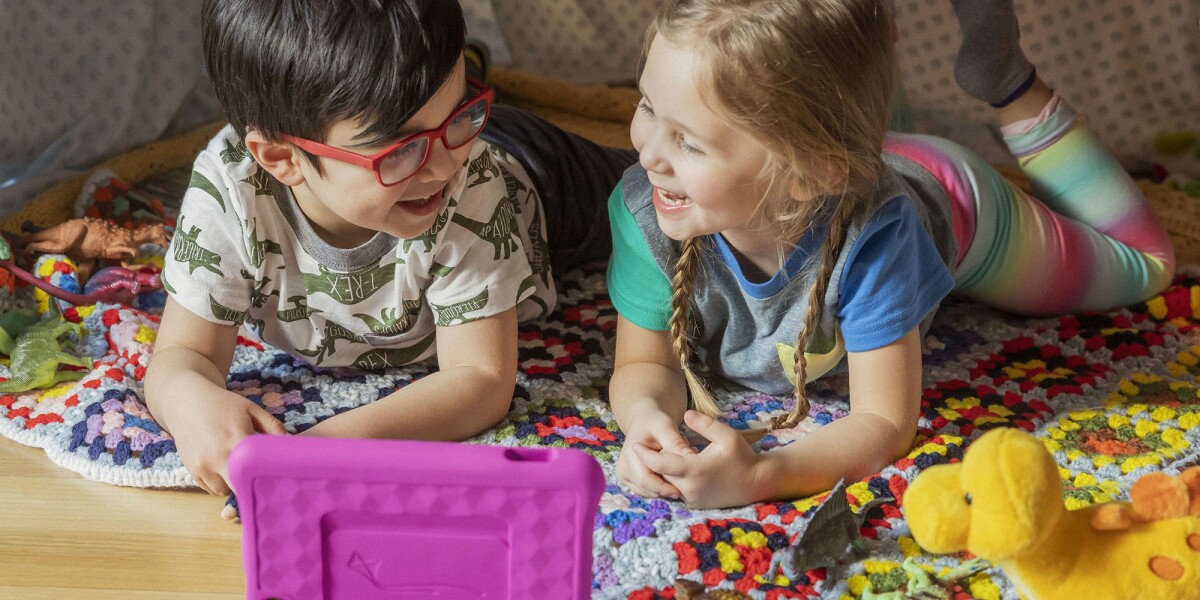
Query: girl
x=769, y=214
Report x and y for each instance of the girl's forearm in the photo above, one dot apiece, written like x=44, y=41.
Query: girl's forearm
x=849, y=448
x=636, y=388
x=450, y=405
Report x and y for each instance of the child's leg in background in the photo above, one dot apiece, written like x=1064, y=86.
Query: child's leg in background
x=1093, y=244
x=574, y=177
x=1091, y=241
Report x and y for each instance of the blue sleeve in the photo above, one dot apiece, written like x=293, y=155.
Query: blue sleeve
x=639, y=290
x=892, y=279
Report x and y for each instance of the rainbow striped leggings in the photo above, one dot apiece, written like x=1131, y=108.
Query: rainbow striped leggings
x=1086, y=239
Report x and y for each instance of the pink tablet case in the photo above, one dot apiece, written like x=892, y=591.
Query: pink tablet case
x=356, y=519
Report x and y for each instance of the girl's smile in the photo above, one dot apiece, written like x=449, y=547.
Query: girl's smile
x=666, y=201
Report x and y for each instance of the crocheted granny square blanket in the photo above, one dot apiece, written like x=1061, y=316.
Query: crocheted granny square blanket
x=1112, y=395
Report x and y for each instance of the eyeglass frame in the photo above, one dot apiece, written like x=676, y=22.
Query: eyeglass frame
x=373, y=161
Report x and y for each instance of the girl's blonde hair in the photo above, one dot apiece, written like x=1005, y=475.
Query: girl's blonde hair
x=811, y=81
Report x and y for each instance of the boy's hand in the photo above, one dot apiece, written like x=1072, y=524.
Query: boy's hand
x=207, y=428
x=659, y=433
x=724, y=474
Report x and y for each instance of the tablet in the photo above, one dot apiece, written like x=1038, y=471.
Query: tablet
x=354, y=519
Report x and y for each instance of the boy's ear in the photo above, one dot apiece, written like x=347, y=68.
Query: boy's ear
x=280, y=159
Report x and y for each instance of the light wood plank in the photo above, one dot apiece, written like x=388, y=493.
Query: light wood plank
x=23, y=461
x=65, y=537
x=25, y=593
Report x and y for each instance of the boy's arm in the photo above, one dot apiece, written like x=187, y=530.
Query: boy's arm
x=470, y=393
x=185, y=391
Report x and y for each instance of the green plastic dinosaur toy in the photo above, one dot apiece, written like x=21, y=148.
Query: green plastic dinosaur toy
x=924, y=586
x=37, y=356
x=12, y=324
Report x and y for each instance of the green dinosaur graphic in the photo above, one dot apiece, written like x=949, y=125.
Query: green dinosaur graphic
x=514, y=188
x=389, y=323
x=350, y=288
x=258, y=249
x=188, y=250
x=257, y=296
x=201, y=182
x=449, y=315
x=430, y=236
x=528, y=283
x=256, y=325
x=333, y=333
x=500, y=231
x=37, y=355
x=225, y=313
x=261, y=182
x=162, y=278
x=299, y=311
x=234, y=153
x=501, y=154
x=539, y=254
x=380, y=358
x=439, y=270
x=483, y=169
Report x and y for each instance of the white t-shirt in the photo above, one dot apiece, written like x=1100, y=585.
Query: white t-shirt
x=241, y=255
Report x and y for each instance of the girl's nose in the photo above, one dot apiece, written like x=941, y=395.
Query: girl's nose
x=651, y=155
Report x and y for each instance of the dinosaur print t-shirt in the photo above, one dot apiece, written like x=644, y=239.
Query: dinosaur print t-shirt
x=241, y=255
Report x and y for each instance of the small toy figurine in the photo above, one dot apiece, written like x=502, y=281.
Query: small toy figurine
x=88, y=238
x=832, y=529
x=1003, y=503
x=117, y=285
x=120, y=285
x=37, y=356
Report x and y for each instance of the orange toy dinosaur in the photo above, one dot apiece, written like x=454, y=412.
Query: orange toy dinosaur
x=88, y=238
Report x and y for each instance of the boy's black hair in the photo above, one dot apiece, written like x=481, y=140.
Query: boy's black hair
x=297, y=67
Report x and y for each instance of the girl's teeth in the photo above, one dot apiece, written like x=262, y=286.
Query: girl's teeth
x=674, y=199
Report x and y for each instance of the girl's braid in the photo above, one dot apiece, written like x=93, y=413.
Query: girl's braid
x=686, y=269
x=816, y=299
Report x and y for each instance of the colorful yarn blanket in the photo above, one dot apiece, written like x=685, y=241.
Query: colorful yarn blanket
x=1112, y=395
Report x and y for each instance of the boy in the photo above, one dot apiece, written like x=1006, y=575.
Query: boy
x=358, y=212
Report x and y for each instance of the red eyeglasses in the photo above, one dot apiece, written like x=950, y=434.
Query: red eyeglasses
x=403, y=159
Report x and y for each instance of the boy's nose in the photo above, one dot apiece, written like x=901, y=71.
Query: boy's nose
x=440, y=166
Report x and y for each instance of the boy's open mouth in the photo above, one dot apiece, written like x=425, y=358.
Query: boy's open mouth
x=664, y=200
x=422, y=206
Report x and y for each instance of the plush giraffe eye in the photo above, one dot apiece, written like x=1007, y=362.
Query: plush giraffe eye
x=967, y=498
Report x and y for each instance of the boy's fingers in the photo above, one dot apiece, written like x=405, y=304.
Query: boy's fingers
x=663, y=463
x=265, y=422
x=200, y=483
x=213, y=484
x=219, y=485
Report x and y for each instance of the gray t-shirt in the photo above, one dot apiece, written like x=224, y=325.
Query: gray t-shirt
x=750, y=338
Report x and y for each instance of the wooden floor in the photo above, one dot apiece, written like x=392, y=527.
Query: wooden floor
x=62, y=537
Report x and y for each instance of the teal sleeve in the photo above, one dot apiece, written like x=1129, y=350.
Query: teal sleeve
x=639, y=290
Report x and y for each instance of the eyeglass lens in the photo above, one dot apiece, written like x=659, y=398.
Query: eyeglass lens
x=407, y=159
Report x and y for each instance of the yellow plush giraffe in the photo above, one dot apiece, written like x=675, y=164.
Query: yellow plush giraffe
x=1003, y=503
